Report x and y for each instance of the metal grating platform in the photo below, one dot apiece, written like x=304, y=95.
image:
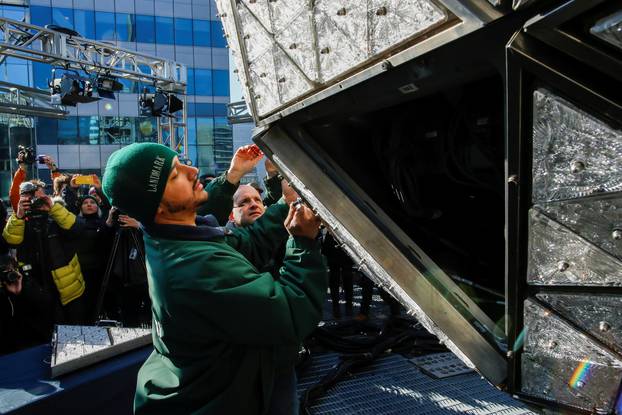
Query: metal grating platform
x=394, y=385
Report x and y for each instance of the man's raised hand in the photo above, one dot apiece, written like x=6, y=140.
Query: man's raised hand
x=244, y=161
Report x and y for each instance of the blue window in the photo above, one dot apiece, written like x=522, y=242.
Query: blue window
x=13, y=12
x=206, y=158
x=205, y=131
x=40, y=15
x=85, y=23
x=104, y=26
x=183, y=32
x=202, y=33
x=68, y=131
x=47, y=130
x=41, y=74
x=203, y=81
x=126, y=29
x=204, y=109
x=220, y=110
x=190, y=82
x=62, y=17
x=192, y=135
x=221, y=83
x=165, y=33
x=145, y=29
x=88, y=130
x=218, y=36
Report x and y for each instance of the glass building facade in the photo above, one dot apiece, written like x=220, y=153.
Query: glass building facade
x=187, y=31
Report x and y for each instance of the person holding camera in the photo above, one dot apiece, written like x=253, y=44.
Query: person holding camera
x=41, y=231
x=25, y=158
x=23, y=313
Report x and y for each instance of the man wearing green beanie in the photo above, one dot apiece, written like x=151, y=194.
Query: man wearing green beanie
x=217, y=321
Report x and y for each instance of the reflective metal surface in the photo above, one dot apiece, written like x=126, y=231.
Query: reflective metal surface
x=609, y=29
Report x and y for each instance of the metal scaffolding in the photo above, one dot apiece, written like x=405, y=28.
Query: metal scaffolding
x=34, y=43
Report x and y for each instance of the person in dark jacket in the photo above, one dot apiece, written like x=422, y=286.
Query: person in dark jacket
x=217, y=321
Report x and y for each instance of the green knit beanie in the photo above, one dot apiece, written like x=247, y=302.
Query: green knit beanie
x=135, y=179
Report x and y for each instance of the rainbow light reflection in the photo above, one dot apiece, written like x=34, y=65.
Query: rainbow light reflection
x=580, y=375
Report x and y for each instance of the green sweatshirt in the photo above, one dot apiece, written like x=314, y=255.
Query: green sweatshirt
x=218, y=322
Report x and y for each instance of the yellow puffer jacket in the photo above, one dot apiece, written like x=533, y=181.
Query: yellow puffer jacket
x=68, y=278
x=69, y=281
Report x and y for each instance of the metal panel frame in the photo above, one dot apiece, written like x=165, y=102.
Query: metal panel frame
x=468, y=16
x=380, y=245
x=550, y=29
x=531, y=63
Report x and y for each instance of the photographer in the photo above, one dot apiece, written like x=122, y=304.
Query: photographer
x=26, y=157
x=41, y=232
x=22, y=313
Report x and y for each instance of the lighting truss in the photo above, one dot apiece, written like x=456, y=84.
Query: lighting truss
x=38, y=44
x=26, y=101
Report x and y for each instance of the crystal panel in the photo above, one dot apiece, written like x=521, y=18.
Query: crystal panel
x=285, y=11
x=574, y=154
x=260, y=9
x=323, y=39
x=342, y=35
x=297, y=41
x=291, y=82
x=393, y=21
x=557, y=256
x=257, y=39
x=263, y=79
x=609, y=29
x=600, y=315
x=596, y=219
x=564, y=365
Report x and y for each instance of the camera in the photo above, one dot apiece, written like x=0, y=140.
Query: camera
x=36, y=203
x=27, y=154
x=8, y=273
x=115, y=216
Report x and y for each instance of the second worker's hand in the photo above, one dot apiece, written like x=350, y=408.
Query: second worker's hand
x=301, y=221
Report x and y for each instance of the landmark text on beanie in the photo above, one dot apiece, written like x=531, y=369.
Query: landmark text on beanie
x=135, y=179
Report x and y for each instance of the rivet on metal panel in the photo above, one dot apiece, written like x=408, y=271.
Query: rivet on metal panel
x=293, y=46
x=616, y=234
x=552, y=344
x=262, y=75
x=247, y=36
x=386, y=65
x=257, y=96
x=236, y=70
x=382, y=11
x=562, y=266
x=513, y=179
x=252, y=1
x=577, y=166
x=282, y=79
x=325, y=50
x=604, y=326
x=341, y=12
x=510, y=354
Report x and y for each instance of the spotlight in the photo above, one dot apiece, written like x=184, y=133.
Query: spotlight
x=160, y=103
x=107, y=86
x=71, y=89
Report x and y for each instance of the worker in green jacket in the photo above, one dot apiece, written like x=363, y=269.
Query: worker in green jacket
x=217, y=321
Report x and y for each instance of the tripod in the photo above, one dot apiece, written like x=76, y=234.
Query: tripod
x=135, y=252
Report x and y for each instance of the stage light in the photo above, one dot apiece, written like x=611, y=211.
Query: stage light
x=107, y=86
x=160, y=103
x=71, y=89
